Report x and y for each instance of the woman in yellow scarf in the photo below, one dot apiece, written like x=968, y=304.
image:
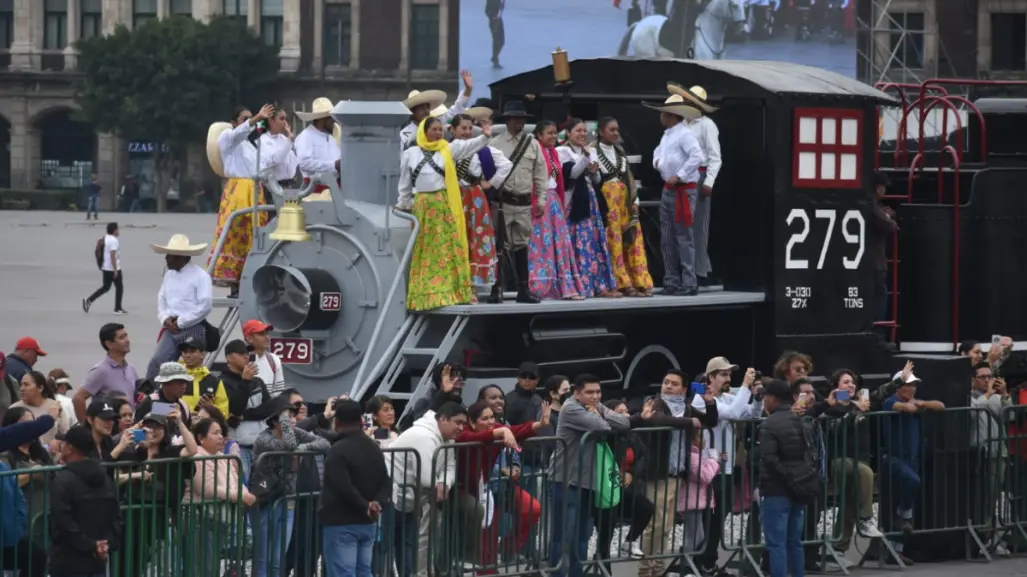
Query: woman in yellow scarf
x=440, y=274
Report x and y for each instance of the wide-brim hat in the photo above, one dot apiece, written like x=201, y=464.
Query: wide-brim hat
x=676, y=105
x=481, y=109
x=172, y=371
x=439, y=110
x=213, y=150
x=514, y=109
x=320, y=108
x=695, y=95
x=179, y=245
x=433, y=98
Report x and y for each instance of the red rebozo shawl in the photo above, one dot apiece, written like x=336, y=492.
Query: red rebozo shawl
x=552, y=164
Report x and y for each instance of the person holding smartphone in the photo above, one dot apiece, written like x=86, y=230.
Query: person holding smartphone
x=206, y=388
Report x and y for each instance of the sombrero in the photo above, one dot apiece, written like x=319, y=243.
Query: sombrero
x=321, y=108
x=480, y=110
x=439, y=110
x=179, y=245
x=696, y=95
x=213, y=150
x=433, y=98
x=676, y=105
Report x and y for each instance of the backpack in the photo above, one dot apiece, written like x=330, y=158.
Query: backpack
x=98, y=252
x=12, y=526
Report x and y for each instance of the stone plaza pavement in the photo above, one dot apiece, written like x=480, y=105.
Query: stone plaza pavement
x=48, y=267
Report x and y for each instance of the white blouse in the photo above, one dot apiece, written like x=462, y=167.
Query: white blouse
x=503, y=168
x=610, y=152
x=428, y=180
x=581, y=160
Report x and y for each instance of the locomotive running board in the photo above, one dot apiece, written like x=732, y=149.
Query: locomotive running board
x=706, y=299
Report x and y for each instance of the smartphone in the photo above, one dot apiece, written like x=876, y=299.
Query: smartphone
x=803, y=398
x=843, y=395
x=368, y=421
x=253, y=355
x=381, y=433
x=864, y=394
x=209, y=391
x=139, y=435
x=161, y=408
x=699, y=388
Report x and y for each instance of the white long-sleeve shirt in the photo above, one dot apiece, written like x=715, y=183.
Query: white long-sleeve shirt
x=316, y=152
x=503, y=167
x=409, y=132
x=239, y=156
x=429, y=180
x=276, y=150
x=730, y=407
x=679, y=154
x=412, y=474
x=185, y=294
x=709, y=140
x=581, y=160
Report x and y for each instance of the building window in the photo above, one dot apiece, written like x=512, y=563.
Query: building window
x=6, y=24
x=1009, y=41
x=181, y=8
x=828, y=148
x=55, y=27
x=424, y=36
x=92, y=19
x=271, y=13
x=236, y=9
x=143, y=11
x=338, y=29
x=907, y=39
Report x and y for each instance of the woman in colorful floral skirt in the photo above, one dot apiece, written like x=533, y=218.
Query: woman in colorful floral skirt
x=551, y=270
x=585, y=213
x=623, y=231
x=485, y=170
x=440, y=273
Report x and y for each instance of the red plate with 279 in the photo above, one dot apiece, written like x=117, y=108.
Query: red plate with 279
x=293, y=351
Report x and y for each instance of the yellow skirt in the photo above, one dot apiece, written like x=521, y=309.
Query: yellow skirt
x=438, y=267
x=238, y=194
x=630, y=265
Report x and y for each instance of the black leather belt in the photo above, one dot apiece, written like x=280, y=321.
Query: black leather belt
x=515, y=199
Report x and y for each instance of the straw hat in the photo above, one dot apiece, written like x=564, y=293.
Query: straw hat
x=676, y=105
x=321, y=108
x=481, y=110
x=439, y=110
x=695, y=95
x=433, y=98
x=213, y=150
x=179, y=245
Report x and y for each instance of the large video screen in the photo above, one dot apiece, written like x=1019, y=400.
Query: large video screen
x=500, y=38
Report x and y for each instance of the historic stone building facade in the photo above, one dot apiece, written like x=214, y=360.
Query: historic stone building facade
x=356, y=49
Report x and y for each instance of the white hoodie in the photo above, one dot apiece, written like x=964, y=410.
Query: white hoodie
x=423, y=438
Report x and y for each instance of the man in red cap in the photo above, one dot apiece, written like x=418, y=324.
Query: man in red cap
x=269, y=365
x=26, y=352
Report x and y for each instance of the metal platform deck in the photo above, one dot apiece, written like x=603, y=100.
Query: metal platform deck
x=703, y=299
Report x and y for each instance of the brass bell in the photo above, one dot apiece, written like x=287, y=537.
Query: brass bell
x=292, y=223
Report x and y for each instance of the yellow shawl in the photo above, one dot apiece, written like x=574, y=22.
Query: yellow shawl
x=453, y=193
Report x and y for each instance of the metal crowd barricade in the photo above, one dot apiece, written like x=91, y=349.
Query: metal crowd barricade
x=487, y=523
x=1012, y=510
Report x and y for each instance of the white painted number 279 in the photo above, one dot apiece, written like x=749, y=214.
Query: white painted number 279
x=857, y=238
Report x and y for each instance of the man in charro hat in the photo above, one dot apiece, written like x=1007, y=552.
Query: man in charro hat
x=422, y=104
x=709, y=140
x=678, y=158
x=515, y=197
x=184, y=301
x=317, y=146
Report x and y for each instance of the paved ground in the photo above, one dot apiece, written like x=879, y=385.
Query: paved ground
x=48, y=267
x=594, y=28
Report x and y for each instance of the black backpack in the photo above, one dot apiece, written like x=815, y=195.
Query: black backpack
x=99, y=252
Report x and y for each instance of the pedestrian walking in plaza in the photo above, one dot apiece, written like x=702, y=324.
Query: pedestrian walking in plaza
x=92, y=191
x=110, y=270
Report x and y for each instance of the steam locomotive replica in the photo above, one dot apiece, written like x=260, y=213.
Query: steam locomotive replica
x=791, y=237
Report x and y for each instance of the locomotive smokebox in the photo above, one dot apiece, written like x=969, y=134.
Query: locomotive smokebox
x=296, y=299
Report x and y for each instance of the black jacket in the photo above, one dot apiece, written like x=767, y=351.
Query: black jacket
x=782, y=448
x=239, y=392
x=659, y=443
x=524, y=407
x=355, y=475
x=847, y=430
x=84, y=509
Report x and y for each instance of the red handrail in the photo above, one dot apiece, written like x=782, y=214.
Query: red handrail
x=980, y=120
x=940, y=82
x=901, y=140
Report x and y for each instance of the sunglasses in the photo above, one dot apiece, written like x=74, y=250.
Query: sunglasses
x=529, y=376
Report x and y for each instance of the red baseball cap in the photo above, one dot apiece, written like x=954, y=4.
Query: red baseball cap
x=254, y=326
x=30, y=344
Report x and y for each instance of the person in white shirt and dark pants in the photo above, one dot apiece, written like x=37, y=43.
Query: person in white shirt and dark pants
x=184, y=301
x=709, y=140
x=111, y=270
x=317, y=146
x=678, y=158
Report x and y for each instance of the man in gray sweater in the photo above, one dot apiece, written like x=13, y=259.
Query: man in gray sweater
x=574, y=471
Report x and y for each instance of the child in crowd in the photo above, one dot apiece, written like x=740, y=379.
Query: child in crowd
x=695, y=496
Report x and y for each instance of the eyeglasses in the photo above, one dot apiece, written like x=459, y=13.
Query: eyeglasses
x=985, y=377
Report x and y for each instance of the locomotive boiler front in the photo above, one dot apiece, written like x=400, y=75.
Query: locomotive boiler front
x=325, y=297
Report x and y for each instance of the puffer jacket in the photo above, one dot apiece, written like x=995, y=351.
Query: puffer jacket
x=782, y=450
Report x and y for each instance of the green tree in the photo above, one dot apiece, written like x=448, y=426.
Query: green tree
x=168, y=80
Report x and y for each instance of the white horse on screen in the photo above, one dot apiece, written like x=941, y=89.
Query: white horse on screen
x=659, y=36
